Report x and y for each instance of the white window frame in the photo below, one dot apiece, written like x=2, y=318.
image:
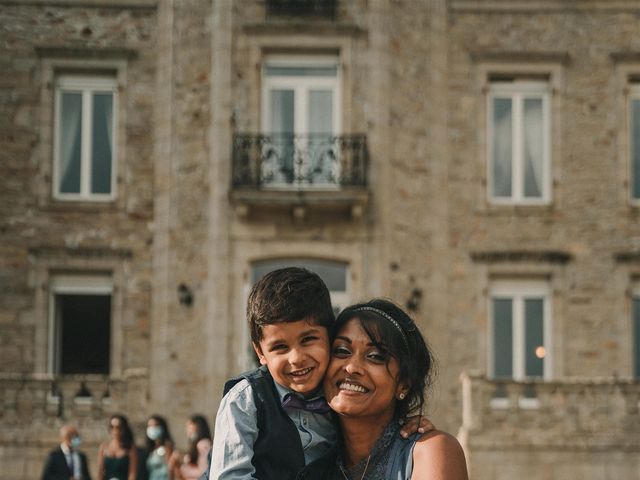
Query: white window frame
x=517, y=91
x=301, y=86
x=87, y=86
x=73, y=285
x=518, y=291
x=634, y=94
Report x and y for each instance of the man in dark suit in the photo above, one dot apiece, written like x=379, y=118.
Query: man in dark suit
x=67, y=462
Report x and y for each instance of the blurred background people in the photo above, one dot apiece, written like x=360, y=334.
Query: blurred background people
x=67, y=461
x=161, y=462
x=195, y=460
x=118, y=458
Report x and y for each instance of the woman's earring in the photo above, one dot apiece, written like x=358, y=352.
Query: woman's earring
x=402, y=395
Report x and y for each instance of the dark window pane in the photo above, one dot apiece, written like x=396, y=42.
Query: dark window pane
x=328, y=71
x=503, y=337
x=102, y=146
x=70, y=142
x=502, y=147
x=534, y=337
x=635, y=148
x=85, y=333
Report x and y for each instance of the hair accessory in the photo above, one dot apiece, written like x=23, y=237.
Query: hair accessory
x=386, y=316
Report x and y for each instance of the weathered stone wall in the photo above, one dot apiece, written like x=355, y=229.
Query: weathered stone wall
x=414, y=81
x=181, y=214
x=40, y=236
x=589, y=217
x=31, y=221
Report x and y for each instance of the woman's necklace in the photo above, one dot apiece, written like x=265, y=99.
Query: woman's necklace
x=344, y=474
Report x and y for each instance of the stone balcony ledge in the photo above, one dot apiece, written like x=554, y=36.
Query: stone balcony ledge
x=33, y=400
x=579, y=413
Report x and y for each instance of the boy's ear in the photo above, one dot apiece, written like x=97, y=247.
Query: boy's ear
x=258, y=350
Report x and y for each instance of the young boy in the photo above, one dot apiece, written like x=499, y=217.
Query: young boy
x=274, y=420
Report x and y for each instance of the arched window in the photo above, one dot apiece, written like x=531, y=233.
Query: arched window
x=334, y=275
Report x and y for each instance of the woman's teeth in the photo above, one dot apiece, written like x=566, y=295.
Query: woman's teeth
x=352, y=387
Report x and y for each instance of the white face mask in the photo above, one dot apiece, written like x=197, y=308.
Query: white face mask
x=154, y=432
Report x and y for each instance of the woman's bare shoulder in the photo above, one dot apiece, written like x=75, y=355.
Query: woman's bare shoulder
x=439, y=456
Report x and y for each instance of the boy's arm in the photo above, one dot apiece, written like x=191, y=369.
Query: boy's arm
x=235, y=434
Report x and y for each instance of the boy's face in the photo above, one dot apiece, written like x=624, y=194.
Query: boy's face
x=296, y=354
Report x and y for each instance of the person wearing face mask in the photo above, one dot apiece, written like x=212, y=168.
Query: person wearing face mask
x=195, y=460
x=162, y=464
x=67, y=462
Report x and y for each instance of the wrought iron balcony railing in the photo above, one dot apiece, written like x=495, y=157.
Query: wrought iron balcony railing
x=287, y=161
x=309, y=8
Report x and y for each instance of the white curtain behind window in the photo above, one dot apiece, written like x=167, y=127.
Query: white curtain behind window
x=533, y=147
x=70, y=139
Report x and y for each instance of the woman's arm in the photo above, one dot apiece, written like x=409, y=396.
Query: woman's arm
x=439, y=456
x=133, y=463
x=203, y=446
x=101, y=462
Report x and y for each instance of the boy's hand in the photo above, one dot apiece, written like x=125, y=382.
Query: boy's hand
x=414, y=424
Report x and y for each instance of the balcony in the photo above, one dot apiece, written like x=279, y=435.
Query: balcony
x=579, y=414
x=299, y=171
x=33, y=400
x=301, y=8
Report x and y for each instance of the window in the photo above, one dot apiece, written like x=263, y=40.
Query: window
x=80, y=332
x=520, y=331
x=636, y=334
x=300, y=117
x=519, y=146
x=634, y=110
x=333, y=274
x=84, y=145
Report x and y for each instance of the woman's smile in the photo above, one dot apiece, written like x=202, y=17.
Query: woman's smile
x=362, y=377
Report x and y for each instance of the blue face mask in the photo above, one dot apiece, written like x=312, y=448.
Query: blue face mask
x=154, y=432
x=75, y=442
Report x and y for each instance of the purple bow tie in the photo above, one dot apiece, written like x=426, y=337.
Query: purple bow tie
x=318, y=405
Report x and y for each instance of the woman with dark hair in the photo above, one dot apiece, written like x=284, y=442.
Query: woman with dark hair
x=195, y=460
x=161, y=463
x=118, y=458
x=380, y=366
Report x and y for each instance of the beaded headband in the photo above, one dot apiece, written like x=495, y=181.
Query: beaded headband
x=386, y=316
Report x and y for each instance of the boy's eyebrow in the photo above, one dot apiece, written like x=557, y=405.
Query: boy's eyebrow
x=309, y=331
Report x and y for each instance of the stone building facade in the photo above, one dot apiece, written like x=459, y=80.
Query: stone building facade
x=475, y=161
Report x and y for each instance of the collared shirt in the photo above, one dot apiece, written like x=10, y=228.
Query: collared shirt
x=72, y=454
x=236, y=432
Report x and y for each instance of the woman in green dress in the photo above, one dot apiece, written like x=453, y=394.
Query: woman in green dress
x=118, y=458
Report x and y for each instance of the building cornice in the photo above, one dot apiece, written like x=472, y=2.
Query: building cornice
x=519, y=256
x=102, y=4
x=63, y=51
x=501, y=56
x=544, y=6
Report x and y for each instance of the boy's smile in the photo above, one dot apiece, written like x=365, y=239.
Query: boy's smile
x=296, y=354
